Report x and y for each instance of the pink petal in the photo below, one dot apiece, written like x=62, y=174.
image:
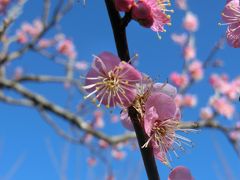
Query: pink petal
x=126, y=121
x=180, y=173
x=164, y=104
x=165, y=88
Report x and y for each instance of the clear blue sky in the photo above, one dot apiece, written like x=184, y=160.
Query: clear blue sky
x=24, y=135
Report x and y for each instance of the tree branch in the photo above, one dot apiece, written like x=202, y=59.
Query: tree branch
x=119, y=31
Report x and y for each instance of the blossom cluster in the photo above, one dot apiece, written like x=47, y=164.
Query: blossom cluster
x=113, y=82
x=148, y=13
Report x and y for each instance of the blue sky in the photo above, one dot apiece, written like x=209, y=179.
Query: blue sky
x=25, y=137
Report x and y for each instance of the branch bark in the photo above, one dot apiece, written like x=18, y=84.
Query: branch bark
x=119, y=31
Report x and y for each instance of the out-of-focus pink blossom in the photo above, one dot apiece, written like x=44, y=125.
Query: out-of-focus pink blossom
x=103, y=144
x=81, y=65
x=29, y=31
x=67, y=48
x=206, y=113
x=182, y=4
x=18, y=72
x=189, y=52
x=222, y=106
x=190, y=22
x=45, y=43
x=180, y=173
x=179, y=38
x=230, y=16
x=22, y=37
x=98, y=119
x=91, y=161
x=235, y=135
x=111, y=81
x=179, y=80
x=117, y=154
x=88, y=138
x=126, y=121
x=114, y=118
x=189, y=100
x=124, y=5
x=196, y=70
x=221, y=85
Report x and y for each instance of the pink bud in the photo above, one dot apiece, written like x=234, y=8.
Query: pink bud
x=180, y=173
x=124, y=5
x=190, y=22
x=141, y=12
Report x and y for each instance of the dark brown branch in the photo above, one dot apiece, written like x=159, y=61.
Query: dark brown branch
x=119, y=31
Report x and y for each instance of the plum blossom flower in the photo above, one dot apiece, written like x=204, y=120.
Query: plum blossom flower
x=29, y=31
x=230, y=16
x=222, y=106
x=81, y=65
x=182, y=4
x=190, y=22
x=117, y=154
x=180, y=80
x=179, y=38
x=196, y=70
x=189, y=52
x=223, y=86
x=206, y=113
x=98, y=119
x=155, y=11
x=111, y=81
x=180, y=173
x=189, y=100
x=161, y=120
x=67, y=48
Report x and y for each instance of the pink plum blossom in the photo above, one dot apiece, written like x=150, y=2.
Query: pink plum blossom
x=111, y=81
x=180, y=80
x=161, y=120
x=189, y=52
x=103, y=144
x=230, y=16
x=179, y=38
x=155, y=11
x=98, y=119
x=66, y=47
x=81, y=65
x=196, y=70
x=180, y=173
x=190, y=22
x=206, y=113
x=222, y=106
x=117, y=154
x=45, y=43
x=189, y=100
x=141, y=12
x=182, y=4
